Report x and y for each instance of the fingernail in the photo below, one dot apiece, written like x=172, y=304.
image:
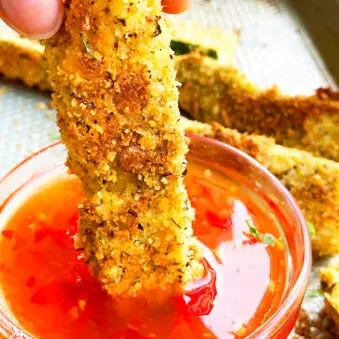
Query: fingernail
x=36, y=18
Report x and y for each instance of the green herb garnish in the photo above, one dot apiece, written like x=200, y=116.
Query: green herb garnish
x=212, y=54
x=314, y=293
x=311, y=228
x=181, y=48
x=267, y=239
x=86, y=45
x=176, y=223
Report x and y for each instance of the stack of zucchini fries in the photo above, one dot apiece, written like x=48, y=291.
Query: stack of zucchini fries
x=295, y=137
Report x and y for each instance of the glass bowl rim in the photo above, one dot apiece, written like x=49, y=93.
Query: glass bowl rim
x=276, y=320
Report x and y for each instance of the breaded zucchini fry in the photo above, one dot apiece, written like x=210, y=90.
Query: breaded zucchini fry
x=117, y=103
x=314, y=182
x=21, y=58
x=330, y=283
x=213, y=92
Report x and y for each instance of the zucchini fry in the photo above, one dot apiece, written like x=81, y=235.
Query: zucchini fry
x=314, y=182
x=117, y=109
x=21, y=59
x=218, y=93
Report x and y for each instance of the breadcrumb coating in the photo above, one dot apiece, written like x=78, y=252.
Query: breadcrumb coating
x=314, y=182
x=111, y=68
x=211, y=92
x=21, y=58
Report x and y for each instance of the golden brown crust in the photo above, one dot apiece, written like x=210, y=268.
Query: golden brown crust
x=19, y=60
x=314, y=182
x=213, y=92
x=117, y=108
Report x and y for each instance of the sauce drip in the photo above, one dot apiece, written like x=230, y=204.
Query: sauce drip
x=52, y=294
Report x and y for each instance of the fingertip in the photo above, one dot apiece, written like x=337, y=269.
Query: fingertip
x=176, y=6
x=38, y=19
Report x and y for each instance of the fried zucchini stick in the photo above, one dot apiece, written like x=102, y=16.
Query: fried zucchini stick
x=218, y=93
x=314, y=182
x=21, y=59
x=117, y=104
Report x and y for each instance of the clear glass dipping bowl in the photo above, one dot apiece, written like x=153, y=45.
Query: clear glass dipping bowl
x=218, y=156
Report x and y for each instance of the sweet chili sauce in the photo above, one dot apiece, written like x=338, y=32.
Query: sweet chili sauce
x=49, y=290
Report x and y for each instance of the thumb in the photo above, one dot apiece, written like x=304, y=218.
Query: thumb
x=38, y=19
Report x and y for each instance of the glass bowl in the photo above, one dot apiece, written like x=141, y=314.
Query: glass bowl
x=218, y=156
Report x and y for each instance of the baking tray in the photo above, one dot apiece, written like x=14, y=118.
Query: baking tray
x=275, y=47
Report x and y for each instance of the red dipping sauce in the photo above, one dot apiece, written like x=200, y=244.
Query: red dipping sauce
x=51, y=293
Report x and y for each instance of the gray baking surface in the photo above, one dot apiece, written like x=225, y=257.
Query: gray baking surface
x=274, y=48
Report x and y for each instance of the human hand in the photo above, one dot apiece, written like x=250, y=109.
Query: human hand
x=40, y=19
